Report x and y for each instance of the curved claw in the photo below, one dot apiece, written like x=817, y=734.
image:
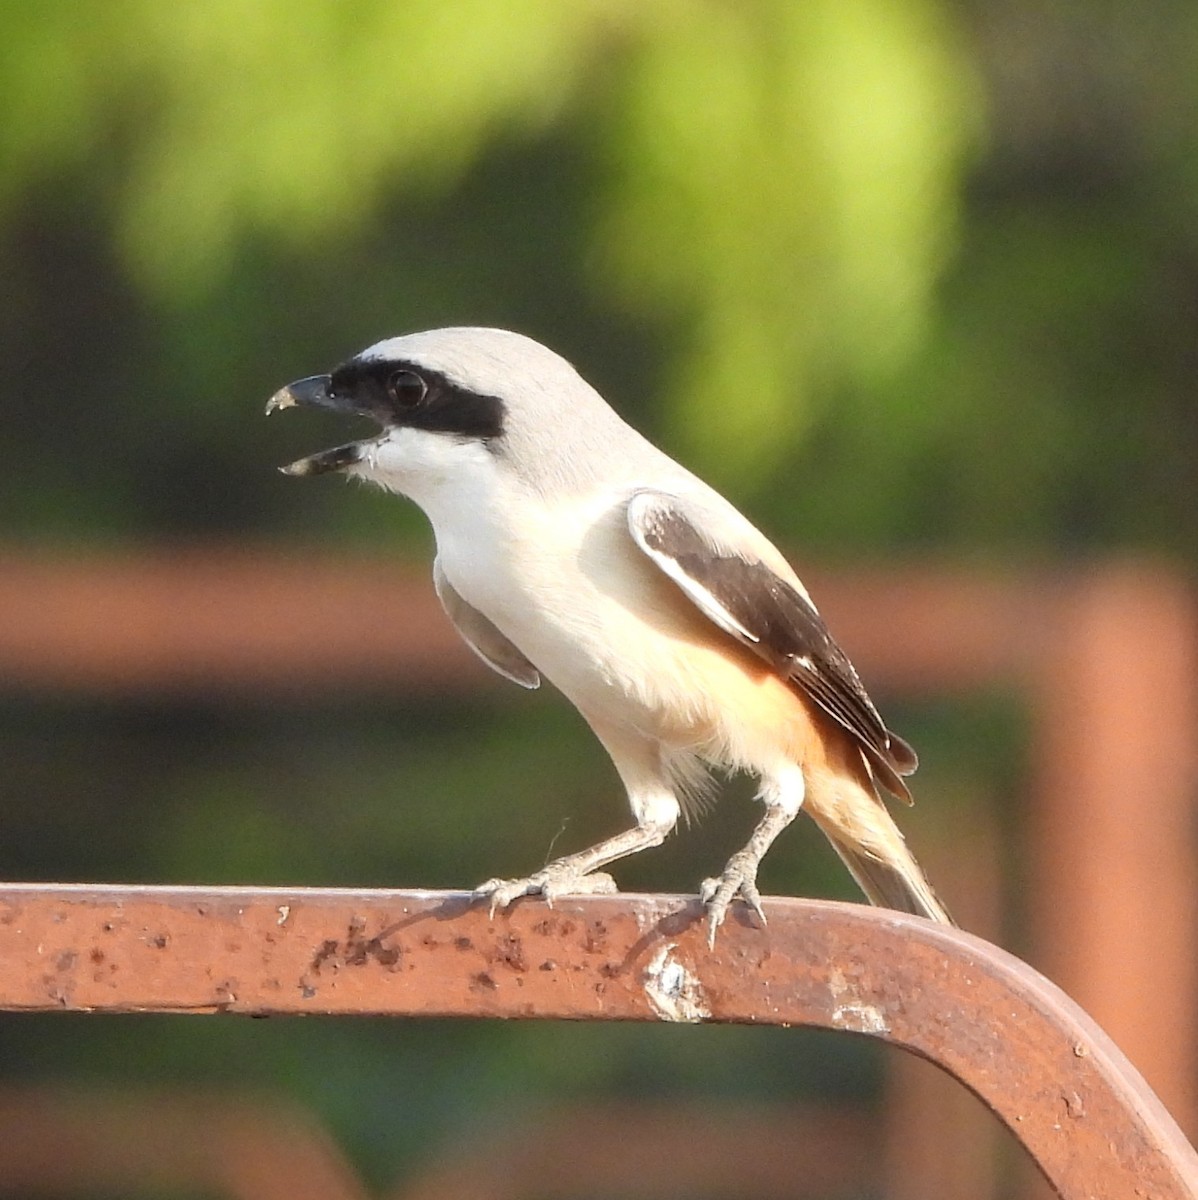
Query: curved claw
x=739, y=879
x=555, y=880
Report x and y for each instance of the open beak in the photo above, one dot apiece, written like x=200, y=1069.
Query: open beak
x=314, y=392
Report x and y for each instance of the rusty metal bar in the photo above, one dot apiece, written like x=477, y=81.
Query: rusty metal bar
x=1107, y=654
x=1033, y=1057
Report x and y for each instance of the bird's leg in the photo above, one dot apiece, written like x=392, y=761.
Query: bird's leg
x=653, y=803
x=575, y=874
x=783, y=797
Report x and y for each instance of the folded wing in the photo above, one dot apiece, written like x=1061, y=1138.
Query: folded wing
x=749, y=600
x=482, y=637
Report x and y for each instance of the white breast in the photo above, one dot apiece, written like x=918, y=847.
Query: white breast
x=564, y=581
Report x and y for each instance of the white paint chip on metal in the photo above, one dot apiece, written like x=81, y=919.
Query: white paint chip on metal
x=673, y=991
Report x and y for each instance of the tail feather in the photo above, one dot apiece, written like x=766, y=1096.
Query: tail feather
x=871, y=845
x=842, y=798
x=903, y=887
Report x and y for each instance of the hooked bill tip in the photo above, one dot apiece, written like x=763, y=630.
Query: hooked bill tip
x=283, y=398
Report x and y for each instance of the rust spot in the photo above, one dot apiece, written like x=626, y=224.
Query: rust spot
x=595, y=939
x=55, y=991
x=385, y=956
x=372, y=949
x=97, y=956
x=356, y=950
x=509, y=951
x=483, y=982
x=463, y=943
x=160, y=941
x=328, y=949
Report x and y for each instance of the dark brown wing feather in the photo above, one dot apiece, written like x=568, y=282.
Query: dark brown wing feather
x=769, y=615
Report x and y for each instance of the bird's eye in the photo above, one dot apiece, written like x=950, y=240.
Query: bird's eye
x=406, y=388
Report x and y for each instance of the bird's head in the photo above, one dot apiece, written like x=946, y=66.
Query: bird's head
x=454, y=402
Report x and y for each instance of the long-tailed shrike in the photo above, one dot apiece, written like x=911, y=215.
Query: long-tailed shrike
x=570, y=547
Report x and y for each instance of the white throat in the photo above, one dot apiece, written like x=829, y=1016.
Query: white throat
x=441, y=473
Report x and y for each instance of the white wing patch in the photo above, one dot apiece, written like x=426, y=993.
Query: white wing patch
x=642, y=509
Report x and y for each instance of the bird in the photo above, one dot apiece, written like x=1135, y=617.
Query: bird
x=570, y=548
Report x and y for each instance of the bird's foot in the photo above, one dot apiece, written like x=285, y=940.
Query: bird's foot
x=561, y=878
x=739, y=879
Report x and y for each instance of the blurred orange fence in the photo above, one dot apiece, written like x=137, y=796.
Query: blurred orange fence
x=1105, y=656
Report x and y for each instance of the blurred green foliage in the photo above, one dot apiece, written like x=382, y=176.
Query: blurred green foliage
x=902, y=277
x=935, y=261
x=788, y=228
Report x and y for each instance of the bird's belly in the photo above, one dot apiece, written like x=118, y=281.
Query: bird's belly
x=636, y=653
x=620, y=640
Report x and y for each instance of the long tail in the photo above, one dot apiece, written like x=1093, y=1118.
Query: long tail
x=870, y=844
x=904, y=887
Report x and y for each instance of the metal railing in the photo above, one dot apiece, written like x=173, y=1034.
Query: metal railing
x=1049, y=1073
x=1106, y=657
